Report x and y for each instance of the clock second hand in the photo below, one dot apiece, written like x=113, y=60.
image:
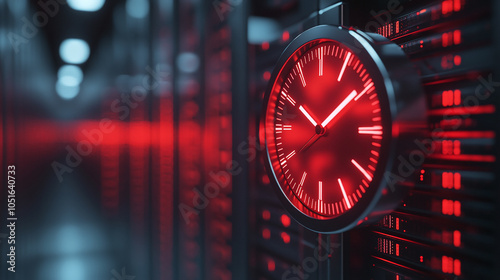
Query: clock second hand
x=310, y=142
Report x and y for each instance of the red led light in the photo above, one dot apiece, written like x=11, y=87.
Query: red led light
x=457, y=208
x=266, y=75
x=457, y=60
x=457, y=37
x=451, y=207
x=266, y=215
x=265, y=46
x=285, y=237
x=271, y=265
x=457, y=5
x=457, y=267
x=457, y=180
x=457, y=238
x=397, y=249
x=285, y=220
x=285, y=36
x=266, y=233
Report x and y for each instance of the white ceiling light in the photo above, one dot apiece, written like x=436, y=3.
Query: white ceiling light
x=86, y=5
x=74, y=51
x=66, y=92
x=70, y=75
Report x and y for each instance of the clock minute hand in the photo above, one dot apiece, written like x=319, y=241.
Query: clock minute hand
x=339, y=108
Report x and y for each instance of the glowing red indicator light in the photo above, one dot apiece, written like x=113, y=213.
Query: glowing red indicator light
x=457, y=5
x=266, y=233
x=457, y=267
x=265, y=46
x=266, y=215
x=286, y=36
x=457, y=181
x=285, y=237
x=457, y=238
x=457, y=208
x=457, y=37
x=457, y=60
x=266, y=75
x=271, y=265
x=285, y=220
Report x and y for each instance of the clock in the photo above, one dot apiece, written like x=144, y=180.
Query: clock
x=342, y=115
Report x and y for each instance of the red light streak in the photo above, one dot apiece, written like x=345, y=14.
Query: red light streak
x=475, y=158
x=394, y=263
x=466, y=134
x=476, y=110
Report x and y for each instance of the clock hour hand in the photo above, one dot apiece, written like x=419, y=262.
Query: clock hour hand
x=308, y=116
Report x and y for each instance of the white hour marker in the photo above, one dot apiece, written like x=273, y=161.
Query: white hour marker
x=373, y=130
x=344, y=66
x=290, y=155
x=367, y=175
x=287, y=127
x=320, y=54
x=320, y=190
x=299, y=67
x=344, y=194
x=368, y=87
x=289, y=98
x=303, y=179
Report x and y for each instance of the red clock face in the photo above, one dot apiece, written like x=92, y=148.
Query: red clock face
x=324, y=129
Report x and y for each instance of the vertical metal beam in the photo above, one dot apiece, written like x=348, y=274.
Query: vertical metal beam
x=176, y=103
x=240, y=121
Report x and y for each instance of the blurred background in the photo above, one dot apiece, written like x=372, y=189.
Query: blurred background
x=133, y=128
